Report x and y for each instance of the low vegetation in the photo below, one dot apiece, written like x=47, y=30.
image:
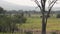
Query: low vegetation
x=35, y=23
x=13, y=22
x=9, y=23
x=58, y=16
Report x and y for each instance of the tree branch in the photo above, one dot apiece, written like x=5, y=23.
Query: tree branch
x=51, y=2
x=50, y=9
x=38, y=4
x=52, y=6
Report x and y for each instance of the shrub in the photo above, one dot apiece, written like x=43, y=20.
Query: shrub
x=58, y=16
x=8, y=23
x=29, y=32
x=53, y=32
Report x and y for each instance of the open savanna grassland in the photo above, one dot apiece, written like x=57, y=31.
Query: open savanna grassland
x=35, y=23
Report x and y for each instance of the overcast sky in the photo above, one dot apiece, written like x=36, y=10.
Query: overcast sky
x=25, y=2
x=16, y=4
x=22, y=2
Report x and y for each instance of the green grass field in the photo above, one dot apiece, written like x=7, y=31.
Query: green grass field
x=35, y=23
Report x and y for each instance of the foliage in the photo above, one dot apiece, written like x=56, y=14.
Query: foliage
x=8, y=22
x=1, y=10
x=19, y=19
x=58, y=16
x=29, y=32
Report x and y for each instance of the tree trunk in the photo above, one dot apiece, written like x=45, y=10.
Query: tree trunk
x=43, y=24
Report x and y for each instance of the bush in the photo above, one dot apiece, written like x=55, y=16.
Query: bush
x=8, y=22
x=19, y=19
x=29, y=32
x=53, y=33
x=58, y=16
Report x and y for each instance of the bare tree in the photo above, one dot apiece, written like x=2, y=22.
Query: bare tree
x=42, y=5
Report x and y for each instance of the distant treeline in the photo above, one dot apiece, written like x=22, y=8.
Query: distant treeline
x=25, y=12
x=29, y=12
